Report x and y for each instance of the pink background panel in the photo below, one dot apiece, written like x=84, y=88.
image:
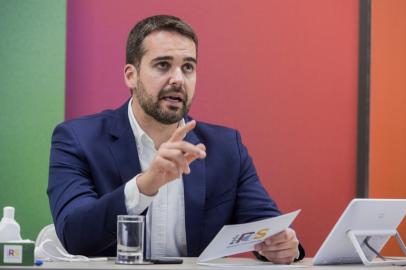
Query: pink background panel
x=282, y=72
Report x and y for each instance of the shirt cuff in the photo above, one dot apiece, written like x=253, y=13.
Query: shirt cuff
x=135, y=201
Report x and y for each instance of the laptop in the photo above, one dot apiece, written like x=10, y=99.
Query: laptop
x=362, y=231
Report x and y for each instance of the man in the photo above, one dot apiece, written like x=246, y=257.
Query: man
x=150, y=158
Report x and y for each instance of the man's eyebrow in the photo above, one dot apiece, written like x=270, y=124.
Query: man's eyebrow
x=190, y=59
x=166, y=58
x=162, y=58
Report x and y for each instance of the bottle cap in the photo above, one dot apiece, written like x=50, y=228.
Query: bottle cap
x=8, y=212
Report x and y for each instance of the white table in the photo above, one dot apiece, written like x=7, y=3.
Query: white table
x=190, y=263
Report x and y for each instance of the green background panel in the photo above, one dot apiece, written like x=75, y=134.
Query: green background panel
x=32, y=90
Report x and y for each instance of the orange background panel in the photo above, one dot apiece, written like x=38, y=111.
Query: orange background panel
x=388, y=104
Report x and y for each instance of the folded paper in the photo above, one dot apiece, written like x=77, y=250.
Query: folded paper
x=234, y=239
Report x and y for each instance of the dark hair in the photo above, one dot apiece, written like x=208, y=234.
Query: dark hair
x=135, y=50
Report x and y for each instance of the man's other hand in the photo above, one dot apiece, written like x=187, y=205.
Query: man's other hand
x=281, y=248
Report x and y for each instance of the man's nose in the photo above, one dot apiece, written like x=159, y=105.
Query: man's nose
x=176, y=77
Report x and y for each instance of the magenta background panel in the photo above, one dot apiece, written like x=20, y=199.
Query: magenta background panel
x=282, y=72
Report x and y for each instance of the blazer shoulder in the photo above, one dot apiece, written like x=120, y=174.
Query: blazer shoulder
x=88, y=128
x=100, y=121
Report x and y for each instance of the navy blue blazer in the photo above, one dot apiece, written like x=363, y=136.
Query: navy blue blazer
x=94, y=156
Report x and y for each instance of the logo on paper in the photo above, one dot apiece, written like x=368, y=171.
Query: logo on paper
x=13, y=254
x=248, y=237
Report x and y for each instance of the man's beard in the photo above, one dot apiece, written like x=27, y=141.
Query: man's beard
x=152, y=107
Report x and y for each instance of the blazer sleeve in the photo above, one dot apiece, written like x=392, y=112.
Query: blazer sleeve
x=85, y=222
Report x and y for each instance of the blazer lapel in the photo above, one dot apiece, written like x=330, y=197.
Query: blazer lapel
x=195, y=194
x=123, y=146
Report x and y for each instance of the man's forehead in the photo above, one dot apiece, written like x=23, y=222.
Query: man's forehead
x=168, y=43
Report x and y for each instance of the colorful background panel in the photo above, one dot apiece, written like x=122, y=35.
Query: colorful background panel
x=285, y=73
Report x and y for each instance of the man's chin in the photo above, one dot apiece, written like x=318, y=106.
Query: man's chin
x=169, y=119
x=173, y=112
x=170, y=115
x=171, y=108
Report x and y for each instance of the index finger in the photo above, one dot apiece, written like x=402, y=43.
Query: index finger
x=180, y=132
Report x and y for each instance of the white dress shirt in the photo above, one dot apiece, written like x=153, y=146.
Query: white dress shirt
x=165, y=219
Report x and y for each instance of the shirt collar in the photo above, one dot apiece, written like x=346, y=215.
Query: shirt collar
x=142, y=138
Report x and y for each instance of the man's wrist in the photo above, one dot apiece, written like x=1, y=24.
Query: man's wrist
x=145, y=185
x=135, y=201
x=302, y=253
x=299, y=257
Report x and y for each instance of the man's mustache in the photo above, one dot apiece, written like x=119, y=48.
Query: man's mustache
x=172, y=89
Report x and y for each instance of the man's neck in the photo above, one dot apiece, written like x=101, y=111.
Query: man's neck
x=158, y=132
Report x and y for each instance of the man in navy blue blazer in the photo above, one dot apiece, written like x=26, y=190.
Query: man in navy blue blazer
x=150, y=158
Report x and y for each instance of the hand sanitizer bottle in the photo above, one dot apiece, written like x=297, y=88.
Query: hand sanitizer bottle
x=9, y=228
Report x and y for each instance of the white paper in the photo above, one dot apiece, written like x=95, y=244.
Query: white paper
x=234, y=239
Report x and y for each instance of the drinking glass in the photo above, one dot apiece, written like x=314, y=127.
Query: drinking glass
x=130, y=239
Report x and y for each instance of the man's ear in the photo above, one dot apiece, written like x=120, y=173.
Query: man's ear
x=130, y=76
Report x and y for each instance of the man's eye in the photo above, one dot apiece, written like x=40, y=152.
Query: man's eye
x=188, y=68
x=163, y=65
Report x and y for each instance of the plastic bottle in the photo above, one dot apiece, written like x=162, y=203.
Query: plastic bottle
x=9, y=228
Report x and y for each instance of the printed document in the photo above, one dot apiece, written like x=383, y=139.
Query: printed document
x=234, y=239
